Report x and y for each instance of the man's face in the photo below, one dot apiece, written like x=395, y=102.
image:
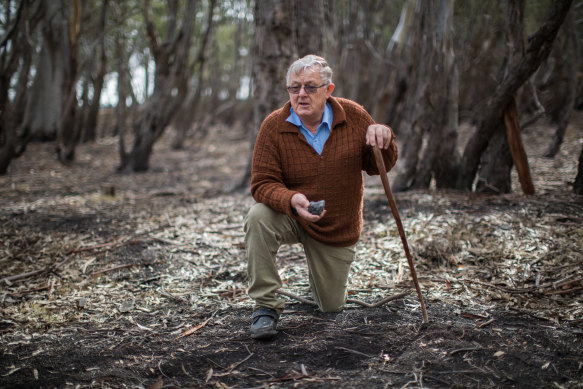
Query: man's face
x=309, y=107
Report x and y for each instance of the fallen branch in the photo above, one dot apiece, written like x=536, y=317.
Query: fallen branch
x=484, y=324
x=39, y=289
x=169, y=295
x=561, y=283
x=352, y=301
x=380, y=302
x=565, y=282
x=9, y=279
x=116, y=243
x=230, y=369
x=572, y=290
x=196, y=328
x=460, y=350
x=296, y=297
x=355, y=352
x=120, y=267
x=48, y=269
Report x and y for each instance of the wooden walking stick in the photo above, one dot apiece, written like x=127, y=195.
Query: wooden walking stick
x=383, y=172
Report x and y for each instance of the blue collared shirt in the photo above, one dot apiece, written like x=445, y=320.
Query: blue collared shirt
x=322, y=132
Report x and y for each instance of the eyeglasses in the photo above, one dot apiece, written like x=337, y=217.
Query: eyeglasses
x=294, y=90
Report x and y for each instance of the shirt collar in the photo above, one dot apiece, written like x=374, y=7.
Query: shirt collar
x=326, y=118
x=338, y=114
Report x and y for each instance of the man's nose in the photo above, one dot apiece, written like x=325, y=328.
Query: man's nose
x=303, y=91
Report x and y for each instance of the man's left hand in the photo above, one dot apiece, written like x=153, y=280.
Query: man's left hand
x=379, y=134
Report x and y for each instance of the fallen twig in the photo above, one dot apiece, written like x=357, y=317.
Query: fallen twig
x=120, y=267
x=15, y=277
x=561, y=283
x=378, y=303
x=484, y=324
x=352, y=301
x=295, y=376
x=565, y=282
x=356, y=352
x=39, y=289
x=565, y=291
x=169, y=295
x=98, y=246
x=124, y=240
x=460, y=350
x=196, y=328
x=230, y=368
x=48, y=269
x=296, y=297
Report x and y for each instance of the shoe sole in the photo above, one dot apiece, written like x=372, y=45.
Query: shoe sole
x=264, y=334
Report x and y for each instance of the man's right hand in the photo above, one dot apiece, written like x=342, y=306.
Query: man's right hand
x=300, y=203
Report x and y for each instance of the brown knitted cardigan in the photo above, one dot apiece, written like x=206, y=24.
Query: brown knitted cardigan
x=285, y=164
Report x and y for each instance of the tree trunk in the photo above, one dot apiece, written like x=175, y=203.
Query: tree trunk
x=483, y=42
x=566, y=90
x=489, y=119
x=273, y=53
x=578, y=186
x=309, y=19
x=430, y=149
x=392, y=82
x=170, y=83
x=497, y=178
x=68, y=131
x=187, y=114
x=16, y=57
x=122, y=94
x=494, y=175
x=45, y=97
x=91, y=118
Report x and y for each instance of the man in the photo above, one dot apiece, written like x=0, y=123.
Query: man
x=314, y=148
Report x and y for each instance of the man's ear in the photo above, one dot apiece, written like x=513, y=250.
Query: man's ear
x=330, y=89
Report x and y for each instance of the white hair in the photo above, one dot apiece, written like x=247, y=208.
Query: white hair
x=307, y=62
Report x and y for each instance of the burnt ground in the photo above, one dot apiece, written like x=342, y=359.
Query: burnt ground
x=139, y=281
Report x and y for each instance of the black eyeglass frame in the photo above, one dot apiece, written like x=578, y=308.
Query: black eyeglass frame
x=295, y=89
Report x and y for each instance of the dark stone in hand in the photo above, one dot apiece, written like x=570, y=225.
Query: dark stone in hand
x=316, y=207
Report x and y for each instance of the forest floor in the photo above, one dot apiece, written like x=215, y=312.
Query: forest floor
x=139, y=281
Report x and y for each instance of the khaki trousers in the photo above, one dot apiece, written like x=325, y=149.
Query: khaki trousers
x=328, y=266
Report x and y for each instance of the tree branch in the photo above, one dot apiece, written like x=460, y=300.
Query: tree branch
x=151, y=32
